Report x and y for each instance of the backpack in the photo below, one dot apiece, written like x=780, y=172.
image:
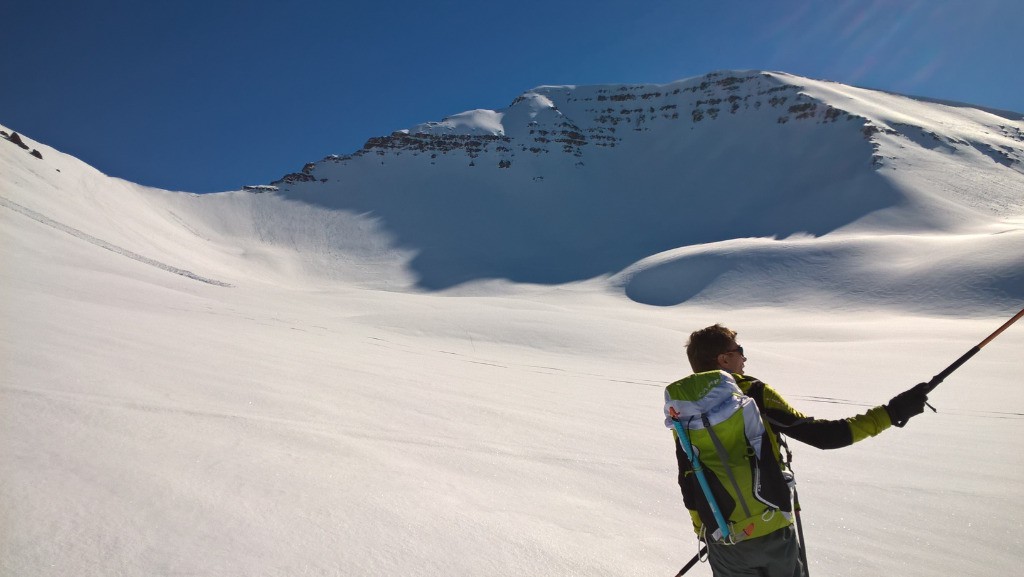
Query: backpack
x=731, y=472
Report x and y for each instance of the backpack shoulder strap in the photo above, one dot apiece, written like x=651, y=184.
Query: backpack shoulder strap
x=752, y=388
x=723, y=456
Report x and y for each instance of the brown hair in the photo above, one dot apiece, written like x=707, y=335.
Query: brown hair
x=706, y=344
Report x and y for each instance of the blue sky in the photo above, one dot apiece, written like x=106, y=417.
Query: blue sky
x=209, y=95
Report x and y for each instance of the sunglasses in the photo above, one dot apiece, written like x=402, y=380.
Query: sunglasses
x=738, y=349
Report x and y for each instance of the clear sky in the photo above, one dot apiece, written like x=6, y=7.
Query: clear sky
x=209, y=95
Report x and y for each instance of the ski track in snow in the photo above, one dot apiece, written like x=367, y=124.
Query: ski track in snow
x=104, y=244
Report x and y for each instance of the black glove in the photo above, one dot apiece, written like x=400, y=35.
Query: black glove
x=907, y=404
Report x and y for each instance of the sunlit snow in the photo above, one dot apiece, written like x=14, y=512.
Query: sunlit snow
x=439, y=366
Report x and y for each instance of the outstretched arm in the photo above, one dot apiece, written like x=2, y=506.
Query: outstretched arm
x=833, y=434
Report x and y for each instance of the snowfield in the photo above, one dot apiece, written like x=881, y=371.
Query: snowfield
x=427, y=368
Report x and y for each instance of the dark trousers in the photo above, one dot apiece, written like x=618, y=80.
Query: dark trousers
x=774, y=555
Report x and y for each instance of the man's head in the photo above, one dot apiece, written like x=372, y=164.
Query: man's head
x=714, y=348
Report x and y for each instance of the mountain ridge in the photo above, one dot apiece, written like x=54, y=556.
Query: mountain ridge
x=579, y=182
x=608, y=182
x=611, y=105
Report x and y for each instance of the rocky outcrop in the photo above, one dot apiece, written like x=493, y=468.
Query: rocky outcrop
x=473, y=145
x=15, y=138
x=259, y=188
x=294, y=177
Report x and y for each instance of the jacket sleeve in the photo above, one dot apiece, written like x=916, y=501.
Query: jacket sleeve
x=822, y=433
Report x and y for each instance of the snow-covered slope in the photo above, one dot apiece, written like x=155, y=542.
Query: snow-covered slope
x=641, y=183
x=261, y=382
x=569, y=183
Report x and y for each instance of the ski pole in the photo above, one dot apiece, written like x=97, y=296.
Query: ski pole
x=800, y=534
x=693, y=561
x=974, y=350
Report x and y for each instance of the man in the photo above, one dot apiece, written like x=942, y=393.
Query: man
x=777, y=553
